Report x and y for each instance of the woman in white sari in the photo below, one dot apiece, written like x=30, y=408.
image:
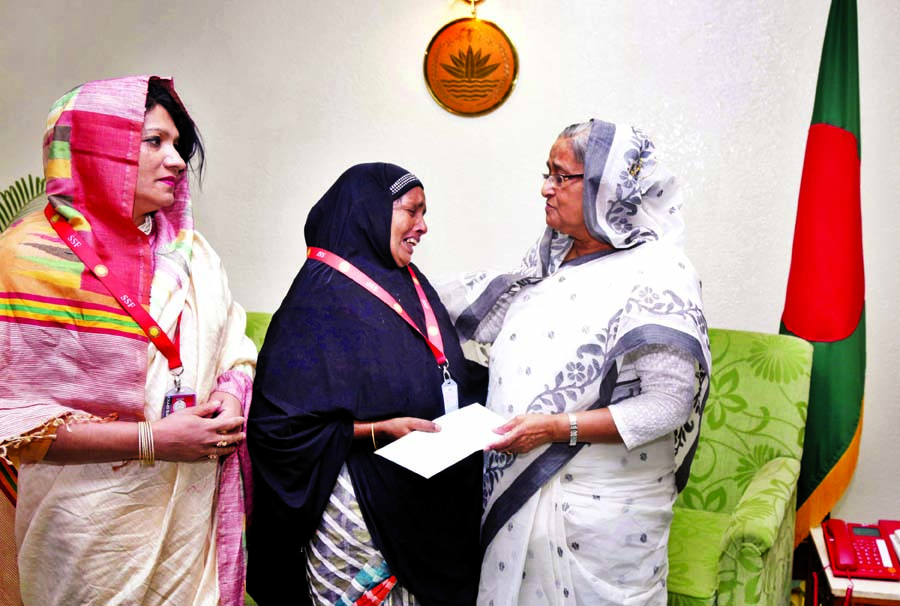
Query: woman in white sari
x=599, y=357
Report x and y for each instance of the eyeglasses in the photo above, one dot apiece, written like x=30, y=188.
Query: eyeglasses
x=559, y=180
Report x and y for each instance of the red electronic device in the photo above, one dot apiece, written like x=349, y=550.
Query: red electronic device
x=862, y=551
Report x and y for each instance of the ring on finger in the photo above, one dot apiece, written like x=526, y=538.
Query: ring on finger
x=221, y=444
x=213, y=456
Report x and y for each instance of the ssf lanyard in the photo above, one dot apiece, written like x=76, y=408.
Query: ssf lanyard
x=129, y=303
x=433, y=338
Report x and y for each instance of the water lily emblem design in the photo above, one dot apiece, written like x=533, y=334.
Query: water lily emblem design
x=470, y=71
x=470, y=66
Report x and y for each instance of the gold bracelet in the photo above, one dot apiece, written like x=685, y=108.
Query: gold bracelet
x=146, y=451
x=151, y=446
x=372, y=428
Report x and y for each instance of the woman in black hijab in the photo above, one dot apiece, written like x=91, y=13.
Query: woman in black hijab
x=340, y=371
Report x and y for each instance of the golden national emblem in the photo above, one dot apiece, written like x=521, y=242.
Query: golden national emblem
x=470, y=66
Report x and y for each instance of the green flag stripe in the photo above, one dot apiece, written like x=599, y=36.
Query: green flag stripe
x=836, y=388
x=837, y=91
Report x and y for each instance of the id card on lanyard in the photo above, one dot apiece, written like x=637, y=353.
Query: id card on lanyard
x=433, y=337
x=180, y=396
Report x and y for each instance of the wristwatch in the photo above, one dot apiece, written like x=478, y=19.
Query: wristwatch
x=573, y=429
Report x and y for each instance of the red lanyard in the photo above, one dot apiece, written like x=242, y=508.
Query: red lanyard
x=129, y=303
x=433, y=338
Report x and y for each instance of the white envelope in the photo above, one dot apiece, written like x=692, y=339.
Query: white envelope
x=463, y=432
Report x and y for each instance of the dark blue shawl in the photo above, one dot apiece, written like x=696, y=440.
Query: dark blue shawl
x=335, y=353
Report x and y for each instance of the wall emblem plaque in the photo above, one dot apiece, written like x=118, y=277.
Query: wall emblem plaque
x=470, y=66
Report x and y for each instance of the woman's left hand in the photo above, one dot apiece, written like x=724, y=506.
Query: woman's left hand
x=231, y=406
x=524, y=433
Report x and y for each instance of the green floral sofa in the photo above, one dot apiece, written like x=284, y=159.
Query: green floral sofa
x=732, y=535
x=257, y=325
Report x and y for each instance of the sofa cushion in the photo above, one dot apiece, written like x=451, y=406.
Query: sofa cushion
x=695, y=544
x=257, y=325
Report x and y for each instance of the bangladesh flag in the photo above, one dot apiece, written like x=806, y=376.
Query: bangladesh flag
x=825, y=301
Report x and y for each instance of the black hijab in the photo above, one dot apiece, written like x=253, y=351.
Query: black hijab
x=335, y=353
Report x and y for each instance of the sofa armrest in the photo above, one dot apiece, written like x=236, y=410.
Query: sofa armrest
x=763, y=506
x=757, y=547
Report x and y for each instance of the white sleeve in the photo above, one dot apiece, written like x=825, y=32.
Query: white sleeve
x=667, y=376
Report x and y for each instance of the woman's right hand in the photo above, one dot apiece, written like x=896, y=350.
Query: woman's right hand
x=191, y=434
x=195, y=433
x=398, y=427
x=391, y=429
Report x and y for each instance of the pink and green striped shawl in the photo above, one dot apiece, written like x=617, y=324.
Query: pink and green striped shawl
x=67, y=348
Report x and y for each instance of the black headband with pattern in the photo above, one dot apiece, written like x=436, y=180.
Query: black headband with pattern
x=403, y=185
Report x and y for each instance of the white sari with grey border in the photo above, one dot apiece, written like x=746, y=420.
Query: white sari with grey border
x=587, y=524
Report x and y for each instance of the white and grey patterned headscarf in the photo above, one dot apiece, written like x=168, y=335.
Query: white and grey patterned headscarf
x=629, y=195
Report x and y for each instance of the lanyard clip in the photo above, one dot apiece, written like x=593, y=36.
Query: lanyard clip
x=445, y=368
x=176, y=377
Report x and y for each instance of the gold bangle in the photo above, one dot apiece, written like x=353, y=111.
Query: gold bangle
x=146, y=451
x=151, y=451
x=372, y=428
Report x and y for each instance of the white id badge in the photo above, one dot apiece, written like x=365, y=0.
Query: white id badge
x=177, y=399
x=451, y=395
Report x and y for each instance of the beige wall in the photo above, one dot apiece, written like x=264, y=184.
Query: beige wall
x=288, y=94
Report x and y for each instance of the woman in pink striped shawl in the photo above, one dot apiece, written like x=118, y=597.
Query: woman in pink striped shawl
x=125, y=374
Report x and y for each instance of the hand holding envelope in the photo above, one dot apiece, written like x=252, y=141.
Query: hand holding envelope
x=463, y=432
